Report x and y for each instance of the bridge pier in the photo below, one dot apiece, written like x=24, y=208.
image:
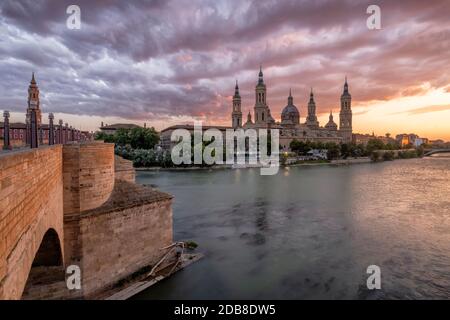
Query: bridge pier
x=75, y=205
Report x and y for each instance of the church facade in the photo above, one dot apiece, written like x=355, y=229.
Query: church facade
x=290, y=125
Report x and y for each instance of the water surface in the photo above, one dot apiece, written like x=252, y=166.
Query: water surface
x=311, y=232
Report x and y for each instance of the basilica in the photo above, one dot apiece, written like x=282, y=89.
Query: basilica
x=290, y=126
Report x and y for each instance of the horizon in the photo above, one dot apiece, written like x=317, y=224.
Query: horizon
x=151, y=69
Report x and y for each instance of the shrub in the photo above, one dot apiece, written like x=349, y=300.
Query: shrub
x=388, y=156
x=375, y=156
x=144, y=157
x=408, y=154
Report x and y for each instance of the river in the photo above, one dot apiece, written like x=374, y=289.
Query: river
x=311, y=232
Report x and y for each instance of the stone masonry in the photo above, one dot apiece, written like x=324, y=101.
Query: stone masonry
x=83, y=199
x=31, y=189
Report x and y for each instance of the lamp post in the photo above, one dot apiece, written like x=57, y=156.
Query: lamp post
x=34, y=130
x=51, y=130
x=6, y=141
x=60, y=134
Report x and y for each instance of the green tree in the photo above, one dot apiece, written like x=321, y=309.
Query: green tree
x=143, y=138
x=122, y=137
x=300, y=147
x=388, y=156
x=358, y=150
x=374, y=144
x=375, y=156
x=99, y=135
x=295, y=146
x=345, y=150
x=333, y=151
x=137, y=138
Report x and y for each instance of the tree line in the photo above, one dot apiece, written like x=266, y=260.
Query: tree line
x=344, y=150
x=136, y=138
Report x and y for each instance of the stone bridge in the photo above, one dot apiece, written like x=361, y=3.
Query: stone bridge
x=75, y=204
x=435, y=151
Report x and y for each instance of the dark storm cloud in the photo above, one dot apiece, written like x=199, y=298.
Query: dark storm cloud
x=137, y=59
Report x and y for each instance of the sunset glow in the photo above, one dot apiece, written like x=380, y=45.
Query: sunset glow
x=167, y=62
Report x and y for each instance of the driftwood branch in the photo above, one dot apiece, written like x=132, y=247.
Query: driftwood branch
x=171, y=248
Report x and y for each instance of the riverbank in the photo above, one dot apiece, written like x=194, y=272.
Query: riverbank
x=351, y=161
x=226, y=166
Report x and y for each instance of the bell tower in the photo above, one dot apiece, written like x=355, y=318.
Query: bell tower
x=345, y=115
x=261, y=109
x=311, y=119
x=236, y=115
x=33, y=100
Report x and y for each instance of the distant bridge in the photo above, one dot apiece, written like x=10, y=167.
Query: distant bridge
x=434, y=151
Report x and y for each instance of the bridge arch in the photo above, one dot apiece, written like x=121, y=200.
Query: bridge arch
x=47, y=268
x=49, y=252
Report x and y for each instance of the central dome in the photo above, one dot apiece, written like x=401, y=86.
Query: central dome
x=290, y=114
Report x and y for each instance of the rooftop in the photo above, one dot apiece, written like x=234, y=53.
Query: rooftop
x=117, y=126
x=191, y=127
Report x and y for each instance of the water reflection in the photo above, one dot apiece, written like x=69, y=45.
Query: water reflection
x=313, y=232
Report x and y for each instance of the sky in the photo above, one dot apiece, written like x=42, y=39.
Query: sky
x=168, y=62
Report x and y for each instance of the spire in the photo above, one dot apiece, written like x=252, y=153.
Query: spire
x=331, y=125
x=311, y=96
x=260, y=76
x=290, y=98
x=236, y=90
x=345, y=86
x=33, y=81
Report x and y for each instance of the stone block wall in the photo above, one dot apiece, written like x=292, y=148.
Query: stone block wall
x=31, y=190
x=124, y=169
x=109, y=227
x=118, y=241
x=88, y=170
x=88, y=174
x=125, y=232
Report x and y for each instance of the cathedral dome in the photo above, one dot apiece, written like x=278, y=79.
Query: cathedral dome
x=331, y=125
x=290, y=113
